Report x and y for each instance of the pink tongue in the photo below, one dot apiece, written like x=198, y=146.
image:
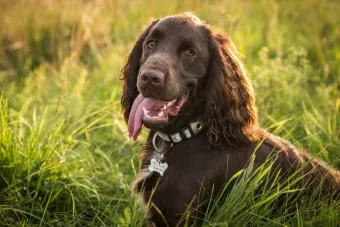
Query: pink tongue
x=136, y=114
x=131, y=121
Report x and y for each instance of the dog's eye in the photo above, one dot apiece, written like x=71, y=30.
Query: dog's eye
x=189, y=53
x=151, y=44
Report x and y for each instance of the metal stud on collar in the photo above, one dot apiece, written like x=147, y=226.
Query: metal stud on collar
x=196, y=127
x=176, y=137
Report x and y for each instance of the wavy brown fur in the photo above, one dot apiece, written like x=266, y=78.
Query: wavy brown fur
x=231, y=113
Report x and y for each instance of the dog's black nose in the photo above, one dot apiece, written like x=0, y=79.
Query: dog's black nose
x=152, y=77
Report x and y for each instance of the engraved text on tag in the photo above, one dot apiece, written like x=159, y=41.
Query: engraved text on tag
x=158, y=167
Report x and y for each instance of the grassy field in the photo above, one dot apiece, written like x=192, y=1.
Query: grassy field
x=65, y=157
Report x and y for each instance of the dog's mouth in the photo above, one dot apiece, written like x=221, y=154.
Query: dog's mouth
x=152, y=111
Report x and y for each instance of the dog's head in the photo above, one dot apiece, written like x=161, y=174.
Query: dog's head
x=180, y=69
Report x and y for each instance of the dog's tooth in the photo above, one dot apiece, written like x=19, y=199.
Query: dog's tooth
x=161, y=114
x=146, y=112
x=171, y=102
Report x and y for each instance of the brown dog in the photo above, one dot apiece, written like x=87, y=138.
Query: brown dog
x=184, y=82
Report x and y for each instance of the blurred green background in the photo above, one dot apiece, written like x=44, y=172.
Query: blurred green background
x=65, y=158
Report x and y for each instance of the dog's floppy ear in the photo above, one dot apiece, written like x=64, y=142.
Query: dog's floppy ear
x=230, y=110
x=130, y=71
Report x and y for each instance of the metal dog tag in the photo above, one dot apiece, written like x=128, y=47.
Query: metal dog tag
x=157, y=166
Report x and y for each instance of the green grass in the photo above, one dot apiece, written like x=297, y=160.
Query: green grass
x=65, y=158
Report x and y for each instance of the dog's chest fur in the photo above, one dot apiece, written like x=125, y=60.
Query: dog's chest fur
x=195, y=172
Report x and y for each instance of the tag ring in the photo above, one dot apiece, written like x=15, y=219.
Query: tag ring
x=154, y=142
